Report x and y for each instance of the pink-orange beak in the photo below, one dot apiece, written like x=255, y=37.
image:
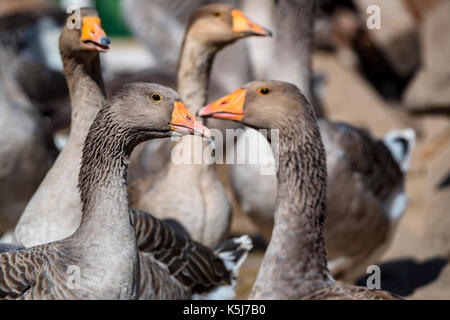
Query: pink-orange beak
x=93, y=36
x=184, y=122
x=230, y=107
x=244, y=26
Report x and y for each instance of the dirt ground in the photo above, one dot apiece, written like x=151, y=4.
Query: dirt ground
x=416, y=263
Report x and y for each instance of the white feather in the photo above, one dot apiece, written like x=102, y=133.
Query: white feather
x=396, y=205
x=403, y=159
x=219, y=293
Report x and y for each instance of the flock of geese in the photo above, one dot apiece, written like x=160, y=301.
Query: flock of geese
x=175, y=244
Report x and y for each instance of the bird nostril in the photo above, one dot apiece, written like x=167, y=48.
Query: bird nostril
x=105, y=41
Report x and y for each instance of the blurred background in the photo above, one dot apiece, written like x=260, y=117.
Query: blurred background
x=382, y=79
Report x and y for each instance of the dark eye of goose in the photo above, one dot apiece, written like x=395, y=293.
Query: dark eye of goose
x=217, y=14
x=264, y=91
x=156, y=97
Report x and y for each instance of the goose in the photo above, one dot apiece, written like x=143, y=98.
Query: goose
x=366, y=196
x=295, y=264
x=54, y=211
x=26, y=152
x=101, y=259
x=366, y=176
x=204, y=210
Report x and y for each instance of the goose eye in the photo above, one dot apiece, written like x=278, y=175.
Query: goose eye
x=264, y=91
x=217, y=14
x=156, y=97
x=73, y=21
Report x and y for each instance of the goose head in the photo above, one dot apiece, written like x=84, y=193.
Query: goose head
x=83, y=33
x=150, y=111
x=261, y=105
x=217, y=25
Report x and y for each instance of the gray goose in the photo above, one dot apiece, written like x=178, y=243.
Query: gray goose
x=362, y=220
x=103, y=253
x=27, y=151
x=295, y=264
x=54, y=211
x=204, y=208
x=365, y=175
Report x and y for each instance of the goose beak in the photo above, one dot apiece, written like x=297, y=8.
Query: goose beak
x=243, y=26
x=93, y=36
x=183, y=122
x=230, y=107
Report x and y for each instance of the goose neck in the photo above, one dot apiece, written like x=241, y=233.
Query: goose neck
x=102, y=180
x=86, y=88
x=194, y=69
x=295, y=261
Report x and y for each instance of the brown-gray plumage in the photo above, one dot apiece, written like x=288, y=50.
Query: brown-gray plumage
x=204, y=209
x=104, y=248
x=294, y=266
x=172, y=266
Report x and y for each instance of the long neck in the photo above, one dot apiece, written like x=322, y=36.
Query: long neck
x=102, y=181
x=295, y=261
x=105, y=242
x=194, y=69
x=87, y=93
x=293, y=43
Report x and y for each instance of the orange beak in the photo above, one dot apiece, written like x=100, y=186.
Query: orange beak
x=230, y=107
x=184, y=122
x=245, y=27
x=93, y=36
